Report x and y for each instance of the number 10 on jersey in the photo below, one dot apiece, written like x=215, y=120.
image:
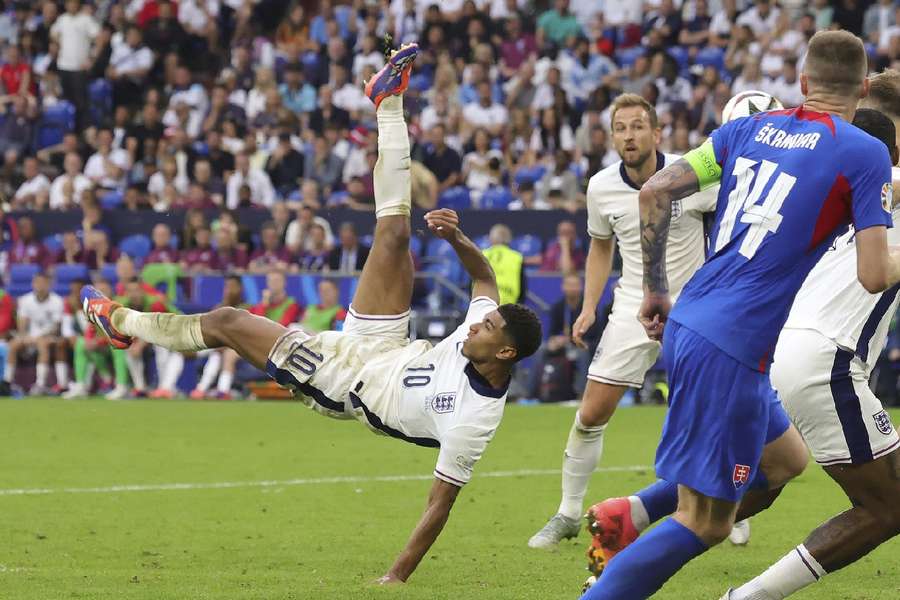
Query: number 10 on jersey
x=763, y=217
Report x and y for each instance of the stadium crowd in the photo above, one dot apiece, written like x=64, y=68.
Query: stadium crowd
x=209, y=107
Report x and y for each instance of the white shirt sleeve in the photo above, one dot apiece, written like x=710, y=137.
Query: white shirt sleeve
x=461, y=447
x=598, y=223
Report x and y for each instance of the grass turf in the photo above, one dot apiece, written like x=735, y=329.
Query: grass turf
x=330, y=539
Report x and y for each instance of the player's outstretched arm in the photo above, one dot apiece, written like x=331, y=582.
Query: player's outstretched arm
x=674, y=182
x=440, y=501
x=596, y=274
x=444, y=223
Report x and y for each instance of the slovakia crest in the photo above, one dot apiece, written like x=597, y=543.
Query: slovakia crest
x=444, y=403
x=883, y=422
x=740, y=476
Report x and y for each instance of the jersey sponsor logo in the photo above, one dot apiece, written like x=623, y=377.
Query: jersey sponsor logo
x=740, y=476
x=883, y=422
x=887, y=196
x=444, y=403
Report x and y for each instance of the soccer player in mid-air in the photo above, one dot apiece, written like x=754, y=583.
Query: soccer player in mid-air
x=450, y=396
x=791, y=182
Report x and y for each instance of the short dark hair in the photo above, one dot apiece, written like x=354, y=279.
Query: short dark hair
x=878, y=125
x=836, y=61
x=523, y=327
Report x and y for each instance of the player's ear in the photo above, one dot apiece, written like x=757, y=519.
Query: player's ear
x=657, y=135
x=895, y=155
x=804, y=84
x=507, y=353
x=864, y=90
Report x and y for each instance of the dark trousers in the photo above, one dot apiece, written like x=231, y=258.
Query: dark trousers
x=75, y=90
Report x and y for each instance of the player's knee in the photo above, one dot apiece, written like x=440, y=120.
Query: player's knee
x=711, y=531
x=395, y=233
x=597, y=405
x=222, y=321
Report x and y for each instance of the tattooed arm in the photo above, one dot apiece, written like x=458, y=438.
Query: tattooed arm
x=676, y=181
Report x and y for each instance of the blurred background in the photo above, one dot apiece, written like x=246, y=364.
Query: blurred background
x=189, y=154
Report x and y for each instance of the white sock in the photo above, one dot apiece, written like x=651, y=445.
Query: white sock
x=181, y=333
x=391, y=174
x=43, y=370
x=226, y=378
x=9, y=375
x=170, y=368
x=796, y=570
x=136, y=370
x=62, y=373
x=210, y=371
x=582, y=454
x=639, y=515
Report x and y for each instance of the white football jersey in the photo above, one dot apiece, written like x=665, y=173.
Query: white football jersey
x=44, y=318
x=833, y=302
x=613, y=209
x=435, y=398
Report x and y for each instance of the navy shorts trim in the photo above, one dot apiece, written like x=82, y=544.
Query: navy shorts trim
x=284, y=378
x=848, y=408
x=376, y=422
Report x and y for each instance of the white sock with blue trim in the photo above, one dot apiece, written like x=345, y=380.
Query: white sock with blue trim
x=796, y=570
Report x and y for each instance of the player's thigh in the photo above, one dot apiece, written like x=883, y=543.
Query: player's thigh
x=784, y=458
x=251, y=336
x=386, y=283
x=45, y=344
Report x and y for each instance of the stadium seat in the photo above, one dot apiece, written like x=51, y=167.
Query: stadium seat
x=100, y=94
x=23, y=273
x=457, y=198
x=680, y=54
x=711, y=56
x=56, y=121
x=367, y=240
x=528, y=245
x=66, y=274
x=53, y=243
x=108, y=272
x=136, y=246
x=207, y=290
x=496, y=198
x=111, y=200
x=530, y=174
x=483, y=241
x=627, y=56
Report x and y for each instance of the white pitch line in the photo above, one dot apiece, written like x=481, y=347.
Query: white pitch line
x=218, y=485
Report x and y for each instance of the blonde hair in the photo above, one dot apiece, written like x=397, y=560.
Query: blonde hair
x=884, y=93
x=632, y=100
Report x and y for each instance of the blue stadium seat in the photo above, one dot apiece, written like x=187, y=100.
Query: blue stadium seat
x=457, y=198
x=680, y=54
x=22, y=273
x=496, y=198
x=530, y=174
x=711, y=56
x=483, y=241
x=66, y=274
x=528, y=245
x=56, y=121
x=108, y=272
x=111, y=200
x=207, y=290
x=627, y=56
x=53, y=243
x=136, y=246
x=367, y=240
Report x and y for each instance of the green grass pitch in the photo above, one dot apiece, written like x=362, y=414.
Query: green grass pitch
x=332, y=519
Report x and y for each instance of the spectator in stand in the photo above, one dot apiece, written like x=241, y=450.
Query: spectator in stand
x=442, y=160
x=228, y=220
x=27, y=249
x=584, y=70
x=71, y=252
x=163, y=250
x=350, y=255
x=276, y=304
x=66, y=190
x=564, y=254
x=695, y=34
x=74, y=31
x=34, y=193
x=38, y=318
x=125, y=272
x=298, y=237
x=15, y=75
x=559, y=342
x=228, y=257
x=99, y=252
x=90, y=354
x=328, y=314
x=168, y=175
x=272, y=254
x=482, y=167
x=297, y=95
x=72, y=329
x=762, y=19
x=107, y=168
x=202, y=257
x=552, y=135
x=555, y=25
x=508, y=265
x=16, y=127
x=7, y=326
x=324, y=167
x=285, y=165
x=665, y=21
x=192, y=96
x=281, y=218
x=485, y=113
x=315, y=257
x=129, y=64
x=221, y=362
x=257, y=180
x=526, y=199
x=562, y=178
x=518, y=47
x=221, y=109
x=787, y=86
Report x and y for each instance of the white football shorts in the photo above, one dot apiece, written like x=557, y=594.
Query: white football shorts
x=625, y=353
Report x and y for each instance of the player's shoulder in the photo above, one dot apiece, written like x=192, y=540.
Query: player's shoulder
x=607, y=182
x=670, y=158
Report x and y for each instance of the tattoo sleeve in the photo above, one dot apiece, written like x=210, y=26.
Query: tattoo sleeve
x=676, y=181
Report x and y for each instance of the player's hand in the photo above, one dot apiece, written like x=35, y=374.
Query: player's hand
x=584, y=322
x=654, y=312
x=389, y=579
x=443, y=223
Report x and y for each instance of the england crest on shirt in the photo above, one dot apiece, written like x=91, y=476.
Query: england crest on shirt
x=444, y=403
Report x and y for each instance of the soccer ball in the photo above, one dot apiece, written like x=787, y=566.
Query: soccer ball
x=749, y=103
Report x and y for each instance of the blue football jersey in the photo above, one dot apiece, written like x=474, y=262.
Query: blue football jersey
x=792, y=181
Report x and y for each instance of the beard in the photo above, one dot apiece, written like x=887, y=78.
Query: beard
x=638, y=162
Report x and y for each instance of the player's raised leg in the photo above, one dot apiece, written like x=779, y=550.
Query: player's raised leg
x=386, y=284
x=250, y=335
